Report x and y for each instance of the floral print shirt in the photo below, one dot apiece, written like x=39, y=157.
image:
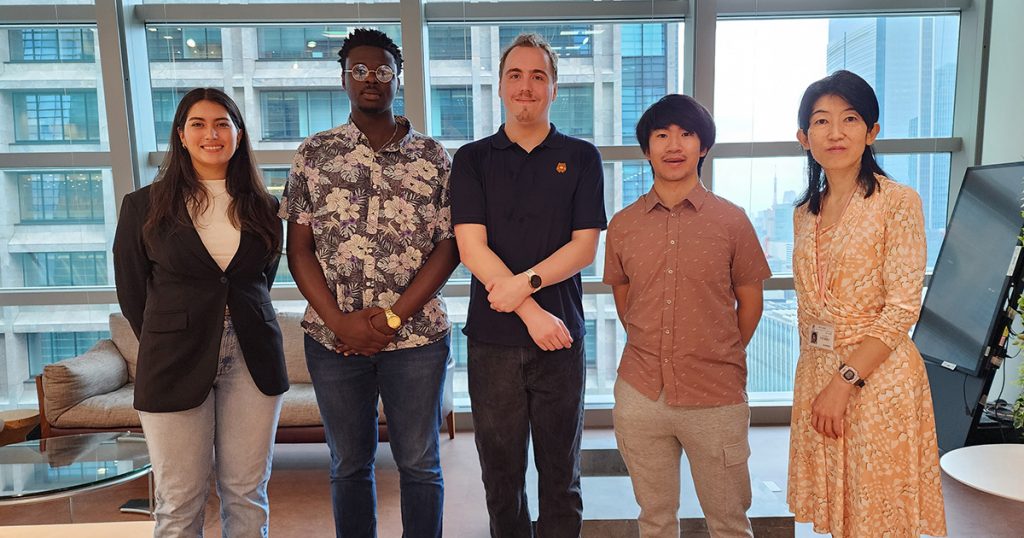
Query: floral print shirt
x=376, y=217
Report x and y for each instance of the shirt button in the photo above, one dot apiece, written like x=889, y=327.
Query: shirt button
x=673, y=214
x=670, y=271
x=667, y=331
x=223, y=280
x=672, y=242
x=668, y=301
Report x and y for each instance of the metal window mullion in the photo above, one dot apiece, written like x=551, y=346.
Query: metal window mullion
x=213, y=14
x=494, y=12
x=783, y=8
x=110, y=26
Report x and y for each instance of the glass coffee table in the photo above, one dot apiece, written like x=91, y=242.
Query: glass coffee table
x=62, y=467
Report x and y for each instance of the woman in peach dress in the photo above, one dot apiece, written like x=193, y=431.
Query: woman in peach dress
x=863, y=455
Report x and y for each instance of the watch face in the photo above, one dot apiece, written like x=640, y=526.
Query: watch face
x=394, y=322
x=535, y=281
x=849, y=375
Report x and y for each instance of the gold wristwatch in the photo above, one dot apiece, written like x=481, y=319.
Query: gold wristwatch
x=394, y=321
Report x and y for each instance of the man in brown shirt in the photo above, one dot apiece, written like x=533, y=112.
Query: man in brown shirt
x=686, y=270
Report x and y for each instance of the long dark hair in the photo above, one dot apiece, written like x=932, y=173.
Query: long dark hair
x=861, y=96
x=176, y=187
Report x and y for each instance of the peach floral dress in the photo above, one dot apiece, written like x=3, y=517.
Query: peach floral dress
x=881, y=479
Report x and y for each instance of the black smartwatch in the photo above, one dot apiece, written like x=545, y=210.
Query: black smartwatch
x=535, y=281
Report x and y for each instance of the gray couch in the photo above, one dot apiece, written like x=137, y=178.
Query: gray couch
x=93, y=392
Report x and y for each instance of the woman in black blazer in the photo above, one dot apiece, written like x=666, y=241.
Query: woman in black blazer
x=195, y=255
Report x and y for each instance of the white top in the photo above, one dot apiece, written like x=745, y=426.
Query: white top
x=219, y=236
x=994, y=469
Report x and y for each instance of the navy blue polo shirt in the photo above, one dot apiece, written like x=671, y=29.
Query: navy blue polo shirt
x=530, y=203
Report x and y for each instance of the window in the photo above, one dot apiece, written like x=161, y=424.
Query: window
x=175, y=43
x=53, y=45
x=573, y=111
x=296, y=114
x=300, y=43
x=909, y=61
x=43, y=269
x=165, y=104
x=48, y=348
x=637, y=180
x=449, y=42
x=61, y=196
x=644, y=73
x=47, y=116
x=452, y=112
x=567, y=40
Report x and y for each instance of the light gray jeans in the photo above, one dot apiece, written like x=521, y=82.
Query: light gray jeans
x=230, y=436
x=651, y=438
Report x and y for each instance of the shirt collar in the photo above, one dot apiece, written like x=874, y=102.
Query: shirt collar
x=697, y=196
x=554, y=139
x=403, y=144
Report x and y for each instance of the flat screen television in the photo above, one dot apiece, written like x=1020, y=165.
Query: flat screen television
x=968, y=289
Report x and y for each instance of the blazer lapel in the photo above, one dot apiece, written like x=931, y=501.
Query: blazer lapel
x=245, y=244
x=191, y=240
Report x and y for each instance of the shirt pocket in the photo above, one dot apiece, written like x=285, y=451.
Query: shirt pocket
x=706, y=255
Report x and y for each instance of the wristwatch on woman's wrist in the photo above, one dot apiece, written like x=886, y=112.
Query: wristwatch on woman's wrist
x=850, y=375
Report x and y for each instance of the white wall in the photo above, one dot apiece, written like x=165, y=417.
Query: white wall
x=1004, y=118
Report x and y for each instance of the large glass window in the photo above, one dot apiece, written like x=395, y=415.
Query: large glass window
x=452, y=112
x=61, y=196
x=165, y=104
x=177, y=43
x=573, y=110
x=300, y=42
x=449, y=42
x=909, y=60
x=64, y=269
x=53, y=44
x=296, y=114
x=46, y=116
x=766, y=189
x=48, y=348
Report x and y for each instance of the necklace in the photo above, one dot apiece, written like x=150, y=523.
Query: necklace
x=390, y=139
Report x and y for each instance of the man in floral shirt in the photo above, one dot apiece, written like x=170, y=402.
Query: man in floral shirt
x=370, y=244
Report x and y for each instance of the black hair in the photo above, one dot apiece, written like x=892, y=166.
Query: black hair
x=683, y=111
x=371, y=38
x=858, y=93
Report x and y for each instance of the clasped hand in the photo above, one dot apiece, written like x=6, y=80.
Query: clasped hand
x=507, y=293
x=363, y=332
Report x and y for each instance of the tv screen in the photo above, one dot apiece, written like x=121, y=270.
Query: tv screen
x=967, y=292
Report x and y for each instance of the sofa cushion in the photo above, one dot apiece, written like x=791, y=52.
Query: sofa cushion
x=68, y=382
x=111, y=410
x=299, y=407
x=124, y=338
x=294, y=347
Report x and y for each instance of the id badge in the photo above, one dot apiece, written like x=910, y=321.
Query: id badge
x=822, y=336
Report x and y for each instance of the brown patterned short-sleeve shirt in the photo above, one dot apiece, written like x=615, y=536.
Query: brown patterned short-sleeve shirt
x=376, y=217
x=682, y=265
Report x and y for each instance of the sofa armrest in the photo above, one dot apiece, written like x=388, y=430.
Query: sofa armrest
x=67, y=383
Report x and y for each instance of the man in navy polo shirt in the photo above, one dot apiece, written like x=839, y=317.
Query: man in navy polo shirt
x=528, y=207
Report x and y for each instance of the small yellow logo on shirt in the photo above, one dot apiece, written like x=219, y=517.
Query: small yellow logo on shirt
x=560, y=168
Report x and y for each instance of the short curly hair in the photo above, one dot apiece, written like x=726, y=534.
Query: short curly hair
x=372, y=38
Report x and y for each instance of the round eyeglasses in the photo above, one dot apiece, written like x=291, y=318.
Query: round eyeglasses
x=360, y=72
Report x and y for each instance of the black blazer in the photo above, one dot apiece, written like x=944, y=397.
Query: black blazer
x=173, y=294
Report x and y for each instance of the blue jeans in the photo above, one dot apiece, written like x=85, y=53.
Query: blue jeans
x=230, y=435
x=410, y=383
x=517, y=391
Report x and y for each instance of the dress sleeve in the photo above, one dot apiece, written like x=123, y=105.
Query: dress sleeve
x=903, y=266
